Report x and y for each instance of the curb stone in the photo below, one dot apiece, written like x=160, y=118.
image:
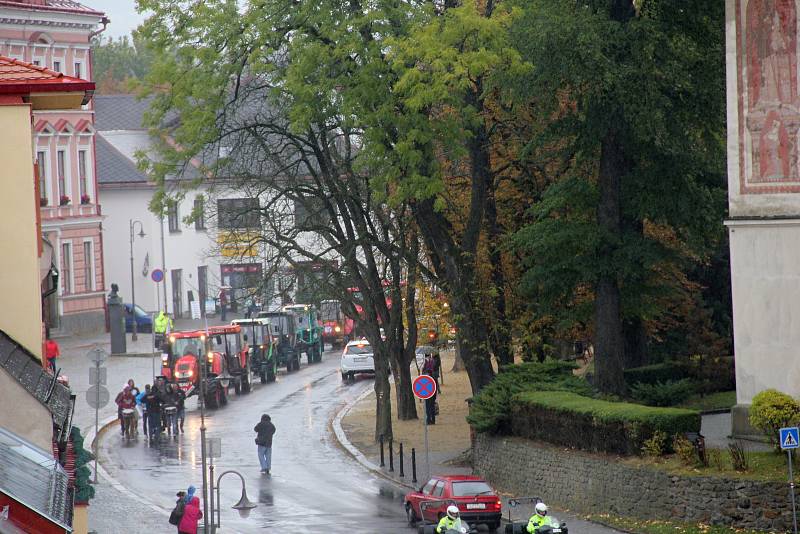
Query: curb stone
x=351, y=449
x=92, y=438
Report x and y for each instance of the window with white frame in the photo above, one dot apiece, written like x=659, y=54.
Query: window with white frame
x=61, y=157
x=78, y=69
x=41, y=160
x=172, y=216
x=82, y=176
x=66, y=268
x=88, y=266
x=57, y=65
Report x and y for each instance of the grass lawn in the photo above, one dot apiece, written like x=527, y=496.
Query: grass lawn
x=764, y=466
x=640, y=526
x=723, y=400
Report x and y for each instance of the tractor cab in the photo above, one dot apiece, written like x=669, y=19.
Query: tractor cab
x=284, y=330
x=181, y=365
x=259, y=335
x=227, y=342
x=308, y=330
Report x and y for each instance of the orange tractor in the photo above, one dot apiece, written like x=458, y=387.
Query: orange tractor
x=222, y=353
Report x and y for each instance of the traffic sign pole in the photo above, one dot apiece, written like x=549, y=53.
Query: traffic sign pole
x=791, y=488
x=790, y=439
x=424, y=388
x=96, y=417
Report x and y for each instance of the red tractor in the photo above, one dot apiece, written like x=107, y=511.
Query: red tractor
x=226, y=340
x=220, y=350
x=337, y=328
x=181, y=364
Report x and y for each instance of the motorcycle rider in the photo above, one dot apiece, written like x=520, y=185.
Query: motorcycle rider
x=162, y=324
x=538, y=519
x=452, y=521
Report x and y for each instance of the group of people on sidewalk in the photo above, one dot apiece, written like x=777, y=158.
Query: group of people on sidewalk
x=187, y=512
x=161, y=407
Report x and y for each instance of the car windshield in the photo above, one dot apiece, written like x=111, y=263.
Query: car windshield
x=358, y=349
x=471, y=488
x=188, y=345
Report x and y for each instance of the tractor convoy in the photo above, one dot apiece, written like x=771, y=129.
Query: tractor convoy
x=213, y=360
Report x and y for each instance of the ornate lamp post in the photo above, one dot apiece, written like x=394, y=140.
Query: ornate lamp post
x=132, y=225
x=244, y=506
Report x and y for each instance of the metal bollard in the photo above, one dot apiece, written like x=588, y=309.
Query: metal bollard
x=383, y=464
x=413, y=465
x=401, y=460
x=391, y=455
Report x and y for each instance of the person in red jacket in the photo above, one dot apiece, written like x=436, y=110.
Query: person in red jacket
x=191, y=515
x=52, y=351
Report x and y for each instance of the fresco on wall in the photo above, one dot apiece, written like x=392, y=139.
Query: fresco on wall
x=768, y=83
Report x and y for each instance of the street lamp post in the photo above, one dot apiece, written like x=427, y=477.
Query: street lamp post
x=201, y=401
x=243, y=506
x=132, y=225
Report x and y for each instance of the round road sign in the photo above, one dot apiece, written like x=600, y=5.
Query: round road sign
x=97, y=399
x=97, y=355
x=424, y=387
x=157, y=275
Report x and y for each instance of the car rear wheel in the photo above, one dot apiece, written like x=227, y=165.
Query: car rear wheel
x=411, y=515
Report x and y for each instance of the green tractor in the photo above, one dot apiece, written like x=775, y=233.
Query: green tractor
x=262, y=344
x=308, y=331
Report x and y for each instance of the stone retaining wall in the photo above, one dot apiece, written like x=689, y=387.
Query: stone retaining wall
x=595, y=483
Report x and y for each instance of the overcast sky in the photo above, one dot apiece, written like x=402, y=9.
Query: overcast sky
x=122, y=13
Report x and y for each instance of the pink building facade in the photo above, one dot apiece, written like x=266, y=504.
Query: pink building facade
x=56, y=34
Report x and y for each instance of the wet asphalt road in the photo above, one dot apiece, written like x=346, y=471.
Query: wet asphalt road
x=314, y=487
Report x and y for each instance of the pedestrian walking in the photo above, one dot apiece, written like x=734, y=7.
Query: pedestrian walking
x=52, y=351
x=177, y=512
x=135, y=392
x=191, y=515
x=142, y=405
x=153, y=401
x=429, y=368
x=265, y=430
x=180, y=395
x=223, y=303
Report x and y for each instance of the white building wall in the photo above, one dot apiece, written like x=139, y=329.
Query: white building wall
x=120, y=207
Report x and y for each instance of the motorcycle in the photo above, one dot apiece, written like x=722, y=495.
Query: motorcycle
x=521, y=527
x=465, y=529
x=129, y=423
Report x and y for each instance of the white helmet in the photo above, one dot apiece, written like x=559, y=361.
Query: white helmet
x=541, y=508
x=452, y=511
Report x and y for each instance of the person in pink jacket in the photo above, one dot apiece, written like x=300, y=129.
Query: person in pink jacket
x=191, y=514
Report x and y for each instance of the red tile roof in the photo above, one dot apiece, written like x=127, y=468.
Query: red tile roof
x=19, y=77
x=64, y=6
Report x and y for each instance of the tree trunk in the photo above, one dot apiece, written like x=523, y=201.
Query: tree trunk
x=383, y=395
x=458, y=278
x=500, y=334
x=609, y=345
x=635, y=343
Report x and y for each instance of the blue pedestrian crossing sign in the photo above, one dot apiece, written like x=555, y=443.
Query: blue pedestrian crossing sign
x=790, y=438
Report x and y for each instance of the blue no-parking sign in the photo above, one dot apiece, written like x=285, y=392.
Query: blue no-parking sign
x=157, y=275
x=424, y=387
x=790, y=438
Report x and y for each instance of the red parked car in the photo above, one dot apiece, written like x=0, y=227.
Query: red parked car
x=477, y=502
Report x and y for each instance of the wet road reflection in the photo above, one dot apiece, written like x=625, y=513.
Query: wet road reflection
x=314, y=487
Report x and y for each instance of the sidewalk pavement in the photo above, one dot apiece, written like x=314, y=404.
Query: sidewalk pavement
x=112, y=510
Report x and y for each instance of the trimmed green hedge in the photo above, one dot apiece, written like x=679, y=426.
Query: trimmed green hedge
x=490, y=410
x=659, y=372
x=564, y=418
